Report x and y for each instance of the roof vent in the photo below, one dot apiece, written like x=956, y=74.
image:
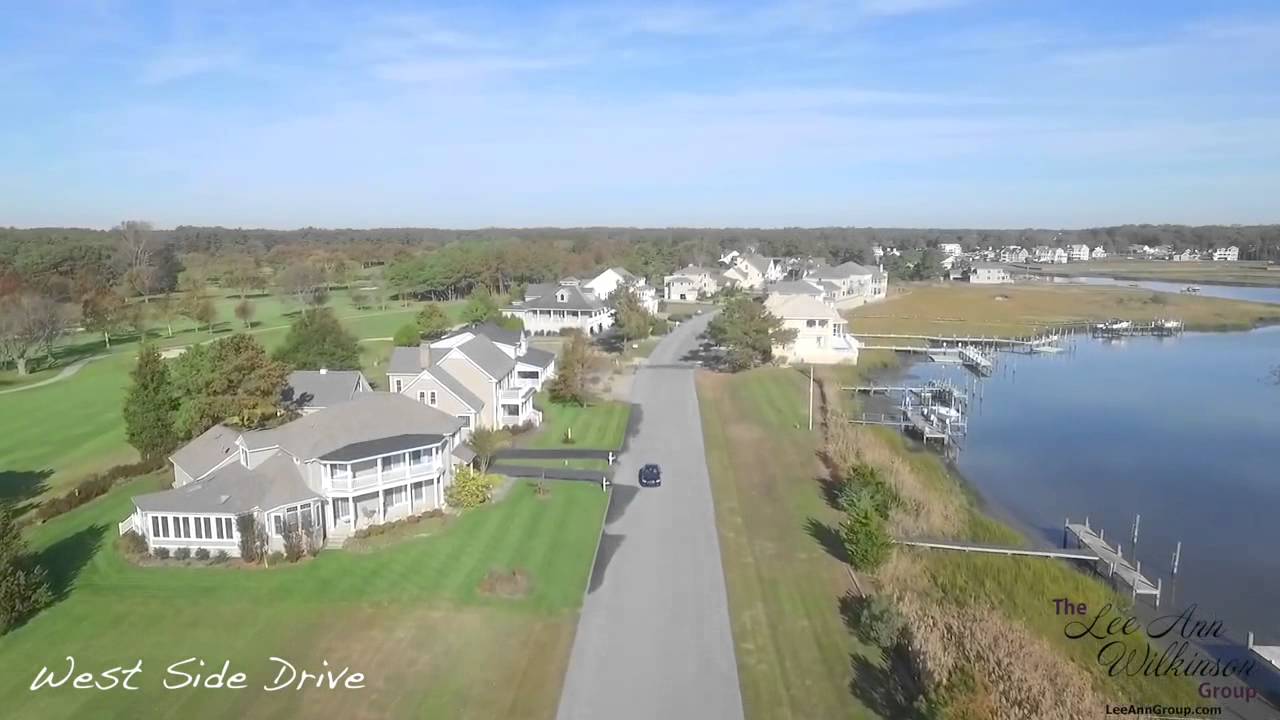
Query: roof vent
x=222, y=499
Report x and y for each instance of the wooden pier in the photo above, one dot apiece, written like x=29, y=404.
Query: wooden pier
x=1111, y=561
x=1269, y=653
x=965, y=340
x=1079, y=554
x=1124, y=328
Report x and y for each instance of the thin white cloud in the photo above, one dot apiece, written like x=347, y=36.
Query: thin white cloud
x=886, y=8
x=168, y=68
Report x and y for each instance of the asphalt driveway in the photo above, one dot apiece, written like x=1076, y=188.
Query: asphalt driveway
x=654, y=638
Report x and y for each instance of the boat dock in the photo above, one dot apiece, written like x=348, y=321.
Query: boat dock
x=1079, y=554
x=1120, y=328
x=1270, y=653
x=976, y=360
x=1111, y=560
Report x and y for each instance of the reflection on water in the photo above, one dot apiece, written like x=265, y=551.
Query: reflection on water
x=1184, y=430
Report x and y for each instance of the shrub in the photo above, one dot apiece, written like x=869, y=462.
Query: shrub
x=880, y=623
x=133, y=544
x=161, y=553
x=861, y=477
x=470, y=488
x=95, y=486
x=541, y=489
x=522, y=428
x=201, y=554
x=221, y=556
x=252, y=540
x=407, y=336
x=567, y=437
x=275, y=558
x=24, y=584
x=293, y=545
x=182, y=553
x=863, y=532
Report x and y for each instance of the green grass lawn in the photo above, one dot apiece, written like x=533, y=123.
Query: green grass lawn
x=601, y=425
x=796, y=659
x=410, y=616
x=57, y=434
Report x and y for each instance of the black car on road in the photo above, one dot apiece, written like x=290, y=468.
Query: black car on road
x=650, y=476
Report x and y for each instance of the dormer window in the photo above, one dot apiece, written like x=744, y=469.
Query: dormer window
x=562, y=296
x=244, y=457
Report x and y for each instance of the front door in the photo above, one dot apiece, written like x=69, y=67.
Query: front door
x=341, y=511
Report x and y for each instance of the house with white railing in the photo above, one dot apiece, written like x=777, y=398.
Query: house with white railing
x=484, y=375
x=550, y=309
x=821, y=334
x=375, y=458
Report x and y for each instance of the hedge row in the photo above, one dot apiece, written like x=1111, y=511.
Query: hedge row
x=94, y=486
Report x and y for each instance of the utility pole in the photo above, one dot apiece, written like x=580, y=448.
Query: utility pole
x=810, y=397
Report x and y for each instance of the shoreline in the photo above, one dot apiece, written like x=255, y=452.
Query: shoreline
x=1265, y=679
x=1122, y=275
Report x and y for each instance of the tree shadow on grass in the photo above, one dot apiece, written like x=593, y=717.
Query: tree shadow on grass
x=64, y=559
x=828, y=537
x=875, y=685
x=20, y=488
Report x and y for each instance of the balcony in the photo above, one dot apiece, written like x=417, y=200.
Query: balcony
x=371, y=480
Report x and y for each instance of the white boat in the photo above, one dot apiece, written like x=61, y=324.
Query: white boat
x=1191, y=289
x=1047, y=349
x=1114, y=325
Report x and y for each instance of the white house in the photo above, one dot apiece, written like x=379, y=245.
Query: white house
x=1013, y=254
x=604, y=285
x=1077, y=252
x=950, y=249
x=822, y=335
x=375, y=458
x=484, y=375
x=983, y=273
x=1141, y=249
x=549, y=309
x=1226, y=254
x=1187, y=255
x=689, y=283
x=307, y=391
x=850, y=284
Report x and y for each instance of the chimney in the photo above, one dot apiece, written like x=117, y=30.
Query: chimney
x=424, y=355
x=324, y=371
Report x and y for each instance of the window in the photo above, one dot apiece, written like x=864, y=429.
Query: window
x=164, y=527
x=398, y=384
x=431, y=399
x=277, y=524
x=810, y=323
x=208, y=525
x=417, y=458
x=392, y=462
x=528, y=374
x=466, y=420
x=291, y=518
x=155, y=526
x=419, y=491
x=340, y=472
x=220, y=528
x=199, y=529
x=305, y=515
x=422, y=396
x=186, y=527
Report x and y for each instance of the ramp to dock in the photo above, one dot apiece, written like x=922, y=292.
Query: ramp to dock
x=962, y=546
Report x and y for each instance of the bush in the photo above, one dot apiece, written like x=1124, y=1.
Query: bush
x=252, y=539
x=161, y=553
x=182, y=553
x=133, y=544
x=407, y=336
x=221, y=556
x=679, y=317
x=470, y=488
x=880, y=623
x=95, y=486
x=863, y=478
x=201, y=554
x=865, y=538
x=275, y=558
x=522, y=428
x=294, y=547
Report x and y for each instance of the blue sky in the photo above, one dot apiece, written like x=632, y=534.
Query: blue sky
x=983, y=113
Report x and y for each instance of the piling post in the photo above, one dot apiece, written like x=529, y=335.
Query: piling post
x=1102, y=533
x=1250, y=639
x=1119, y=551
x=1064, y=532
x=1177, y=555
x=1137, y=519
x=1159, y=588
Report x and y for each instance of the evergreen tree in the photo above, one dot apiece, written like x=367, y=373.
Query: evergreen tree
x=150, y=407
x=24, y=588
x=228, y=380
x=317, y=340
x=865, y=538
x=573, y=372
x=749, y=332
x=407, y=335
x=433, y=323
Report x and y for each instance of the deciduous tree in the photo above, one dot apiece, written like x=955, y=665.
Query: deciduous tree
x=28, y=322
x=748, y=332
x=244, y=312
x=480, y=307
x=230, y=380
x=102, y=312
x=486, y=442
x=573, y=372
x=433, y=323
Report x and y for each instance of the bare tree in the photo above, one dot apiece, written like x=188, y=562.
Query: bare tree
x=303, y=281
x=27, y=323
x=135, y=245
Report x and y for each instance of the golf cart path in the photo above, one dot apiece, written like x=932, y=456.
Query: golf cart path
x=654, y=639
x=63, y=374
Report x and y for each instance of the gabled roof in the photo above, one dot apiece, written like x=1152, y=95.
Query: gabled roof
x=497, y=334
x=206, y=451
x=796, y=287
x=368, y=416
x=405, y=361
x=840, y=272
x=759, y=262
x=234, y=489
x=488, y=356
x=537, y=357
x=691, y=271
x=543, y=297
x=321, y=388
x=455, y=386
x=800, y=306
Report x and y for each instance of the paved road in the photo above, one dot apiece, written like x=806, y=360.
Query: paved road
x=654, y=639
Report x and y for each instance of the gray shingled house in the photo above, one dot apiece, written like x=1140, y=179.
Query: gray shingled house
x=307, y=391
x=373, y=458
